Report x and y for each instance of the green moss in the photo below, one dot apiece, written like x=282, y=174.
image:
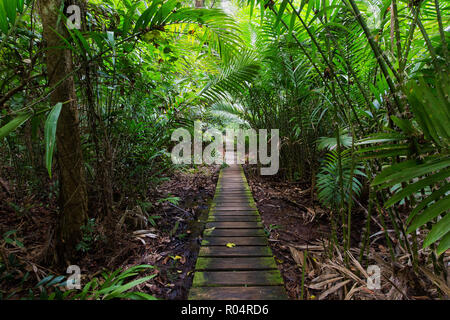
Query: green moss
x=202, y=263
x=208, y=232
x=274, y=277
x=267, y=251
x=199, y=279
x=268, y=262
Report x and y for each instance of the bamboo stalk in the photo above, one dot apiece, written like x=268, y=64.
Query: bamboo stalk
x=353, y=73
x=428, y=44
x=397, y=32
x=441, y=31
x=327, y=62
x=407, y=46
x=308, y=56
x=367, y=232
x=378, y=54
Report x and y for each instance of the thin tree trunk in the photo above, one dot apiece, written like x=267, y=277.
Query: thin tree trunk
x=199, y=3
x=73, y=196
x=103, y=169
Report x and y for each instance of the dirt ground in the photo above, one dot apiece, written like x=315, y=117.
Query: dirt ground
x=167, y=233
x=169, y=242
x=291, y=218
x=299, y=230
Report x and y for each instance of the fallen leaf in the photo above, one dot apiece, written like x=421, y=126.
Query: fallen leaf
x=231, y=245
x=323, y=295
x=298, y=257
x=208, y=231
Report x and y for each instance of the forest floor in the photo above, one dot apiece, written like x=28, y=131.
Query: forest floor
x=168, y=238
x=171, y=244
x=299, y=230
x=291, y=219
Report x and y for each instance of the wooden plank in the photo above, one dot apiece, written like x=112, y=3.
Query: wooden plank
x=238, y=293
x=237, y=278
x=233, y=193
x=235, y=264
x=238, y=251
x=234, y=207
x=234, y=218
x=224, y=204
x=239, y=241
x=235, y=203
x=235, y=233
x=234, y=225
x=217, y=213
x=229, y=186
x=233, y=200
x=247, y=270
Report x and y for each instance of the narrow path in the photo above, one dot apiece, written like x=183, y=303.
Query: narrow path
x=235, y=261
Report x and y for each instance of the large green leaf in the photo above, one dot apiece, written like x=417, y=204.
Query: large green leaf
x=120, y=289
x=444, y=244
x=431, y=106
x=14, y=124
x=164, y=12
x=433, y=197
x=50, y=135
x=146, y=16
x=417, y=186
x=128, y=19
x=408, y=170
x=280, y=12
x=438, y=231
x=11, y=7
x=430, y=213
x=387, y=172
x=20, y=4
x=3, y=18
x=382, y=137
x=139, y=296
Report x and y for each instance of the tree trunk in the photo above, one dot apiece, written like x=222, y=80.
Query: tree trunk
x=73, y=194
x=199, y=3
x=104, y=159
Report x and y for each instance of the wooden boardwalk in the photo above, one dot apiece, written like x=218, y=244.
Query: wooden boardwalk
x=235, y=262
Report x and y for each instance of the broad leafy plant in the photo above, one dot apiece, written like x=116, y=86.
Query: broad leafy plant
x=422, y=146
x=110, y=285
x=330, y=176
